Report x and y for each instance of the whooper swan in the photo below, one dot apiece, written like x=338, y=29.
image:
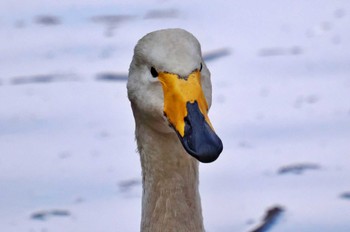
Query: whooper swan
x=169, y=89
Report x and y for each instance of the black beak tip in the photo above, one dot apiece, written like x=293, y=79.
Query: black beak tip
x=206, y=152
x=199, y=140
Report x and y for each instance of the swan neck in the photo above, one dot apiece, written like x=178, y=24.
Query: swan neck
x=170, y=200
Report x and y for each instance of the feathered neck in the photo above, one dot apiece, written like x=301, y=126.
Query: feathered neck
x=170, y=200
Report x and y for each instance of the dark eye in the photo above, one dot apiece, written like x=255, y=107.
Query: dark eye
x=200, y=69
x=154, y=72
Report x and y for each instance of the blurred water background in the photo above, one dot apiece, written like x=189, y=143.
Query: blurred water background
x=281, y=90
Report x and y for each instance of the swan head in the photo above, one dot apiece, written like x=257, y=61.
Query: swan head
x=169, y=88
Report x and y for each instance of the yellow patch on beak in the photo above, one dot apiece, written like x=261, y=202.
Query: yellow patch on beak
x=177, y=92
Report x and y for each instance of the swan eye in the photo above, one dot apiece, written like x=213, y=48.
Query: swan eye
x=200, y=69
x=154, y=72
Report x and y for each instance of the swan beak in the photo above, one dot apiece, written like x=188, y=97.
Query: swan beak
x=186, y=109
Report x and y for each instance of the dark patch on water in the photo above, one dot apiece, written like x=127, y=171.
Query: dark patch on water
x=345, y=196
x=270, y=219
x=297, y=169
x=162, y=14
x=245, y=145
x=44, y=78
x=46, y=214
x=339, y=13
x=127, y=185
x=216, y=54
x=111, y=19
x=302, y=100
x=111, y=22
x=64, y=155
x=47, y=20
x=109, y=76
x=280, y=51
